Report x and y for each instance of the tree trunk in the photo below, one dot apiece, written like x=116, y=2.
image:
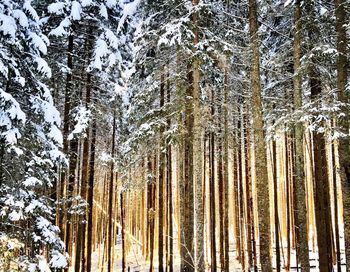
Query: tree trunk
x=212, y=190
x=336, y=209
x=262, y=182
x=90, y=198
x=122, y=217
x=289, y=201
x=236, y=180
x=225, y=170
x=221, y=199
x=80, y=247
x=275, y=199
x=248, y=190
x=344, y=152
x=240, y=188
x=320, y=177
x=170, y=193
x=110, y=199
x=197, y=147
x=64, y=216
x=321, y=185
x=151, y=212
x=301, y=229
x=162, y=157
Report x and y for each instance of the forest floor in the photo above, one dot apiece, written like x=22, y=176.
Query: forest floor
x=135, y=261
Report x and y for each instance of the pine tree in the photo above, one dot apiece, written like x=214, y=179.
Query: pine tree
x=30, y=139
x=259, y=142
x=342, y=80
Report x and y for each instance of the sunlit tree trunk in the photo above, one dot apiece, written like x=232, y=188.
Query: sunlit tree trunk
x=90, y=198
x=197, y=146
x=235, y=195
x=110, y=198
x=122, y=218
x=65, y=217
x=170, y=193
x=212, y=190
x=301, y=229
x=80, y=245
x=275, y=192
x=344, y=152
x=225, y=170
x=262, y=182
x=162, y=157
x=320, y=166
x=336, y=208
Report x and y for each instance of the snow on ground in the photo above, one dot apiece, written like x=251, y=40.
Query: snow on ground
x=137, y=263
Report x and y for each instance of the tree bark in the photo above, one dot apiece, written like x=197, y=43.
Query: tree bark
x=320, y=174
x=321, y=185
x=122, y=217
x=212, y=191
x=79, y=255
x=301, y=229
x=262, y=182
x=275, y=199
x=64, y=216
x=110, y=198
x=90, y=198
x=225, y=170
x=170, y=193
x=344, y=143
x=197, y=146
x=162, y=157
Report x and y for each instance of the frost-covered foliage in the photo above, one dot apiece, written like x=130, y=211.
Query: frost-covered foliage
x=164, y=50
x=30, y=136
x=9, y=253
x=318, y=55
x=101, y=51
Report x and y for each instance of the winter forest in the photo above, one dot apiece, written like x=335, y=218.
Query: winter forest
x=182, y=135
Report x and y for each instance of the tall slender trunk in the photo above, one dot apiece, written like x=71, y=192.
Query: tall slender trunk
x=212, y=190
x=90, y=198
x=187, y=183
x=321, y=185
x=344, y=143
x=162, y=157
x=197, y=146
x=73, y=163
x=289, y=202
x=79, y=255
x=64, y=216
x=240, y=188
x=221, y=199
x=301, y=229
x=259, y=142
x=235, y=200
x=320, y=177
x=170, y=193
x=225, y=170
x=237, y=177
x=248, y=189
x=110, y=198
x=336, y=209
x=151, y=212
x=122, y=217
x=275, y=199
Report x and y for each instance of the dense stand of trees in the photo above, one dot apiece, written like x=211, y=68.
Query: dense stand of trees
x=174, y=135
